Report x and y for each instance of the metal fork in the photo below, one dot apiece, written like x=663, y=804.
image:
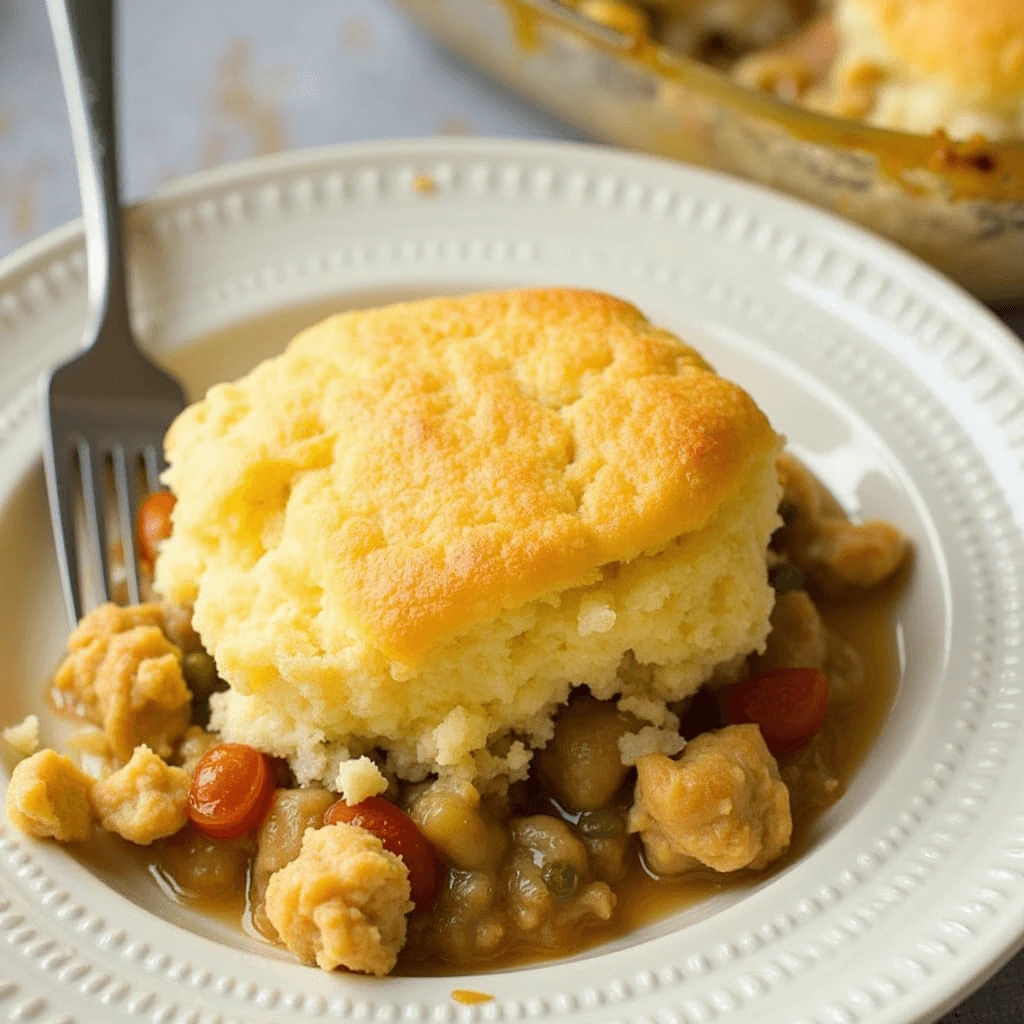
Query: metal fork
x=108, y=408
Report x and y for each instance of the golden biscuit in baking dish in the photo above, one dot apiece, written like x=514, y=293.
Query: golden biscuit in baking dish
x=955, y=64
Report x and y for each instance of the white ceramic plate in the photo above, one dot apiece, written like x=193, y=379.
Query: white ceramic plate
x=901, y=392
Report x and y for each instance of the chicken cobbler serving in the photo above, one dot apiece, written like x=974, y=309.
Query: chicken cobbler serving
x=475, y=624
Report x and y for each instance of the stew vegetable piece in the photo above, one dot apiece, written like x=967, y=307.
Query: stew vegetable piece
x=231, y=792
x=789, y=705
x=400, y=835
x=154, y=523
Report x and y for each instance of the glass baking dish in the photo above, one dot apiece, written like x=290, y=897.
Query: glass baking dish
x=958, y=205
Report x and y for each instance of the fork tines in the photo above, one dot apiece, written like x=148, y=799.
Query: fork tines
x=98, y=469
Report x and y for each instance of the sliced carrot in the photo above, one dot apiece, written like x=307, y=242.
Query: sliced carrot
x=154, y=525
x=400, y=835
x=788, y=704
x=231, y=792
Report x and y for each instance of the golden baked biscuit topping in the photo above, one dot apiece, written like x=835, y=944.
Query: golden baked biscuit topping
x=413, y=470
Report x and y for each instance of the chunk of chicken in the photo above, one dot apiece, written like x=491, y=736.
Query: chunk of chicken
x=143, y=801
x=48, y=797
x=124, y=674
x=342, y=902
x=835, y=553
x=722, y=804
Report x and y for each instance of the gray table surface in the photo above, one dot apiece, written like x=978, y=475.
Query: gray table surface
x=207, y=81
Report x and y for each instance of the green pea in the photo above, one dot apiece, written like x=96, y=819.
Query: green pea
x=562, y=880
x=599, y=825
x=200, y=673
x=786, y=577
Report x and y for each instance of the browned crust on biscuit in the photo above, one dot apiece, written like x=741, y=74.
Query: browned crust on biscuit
x=976, y=44
x=455, y=457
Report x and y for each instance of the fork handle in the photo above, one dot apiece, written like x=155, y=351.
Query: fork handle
x=84, y=33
